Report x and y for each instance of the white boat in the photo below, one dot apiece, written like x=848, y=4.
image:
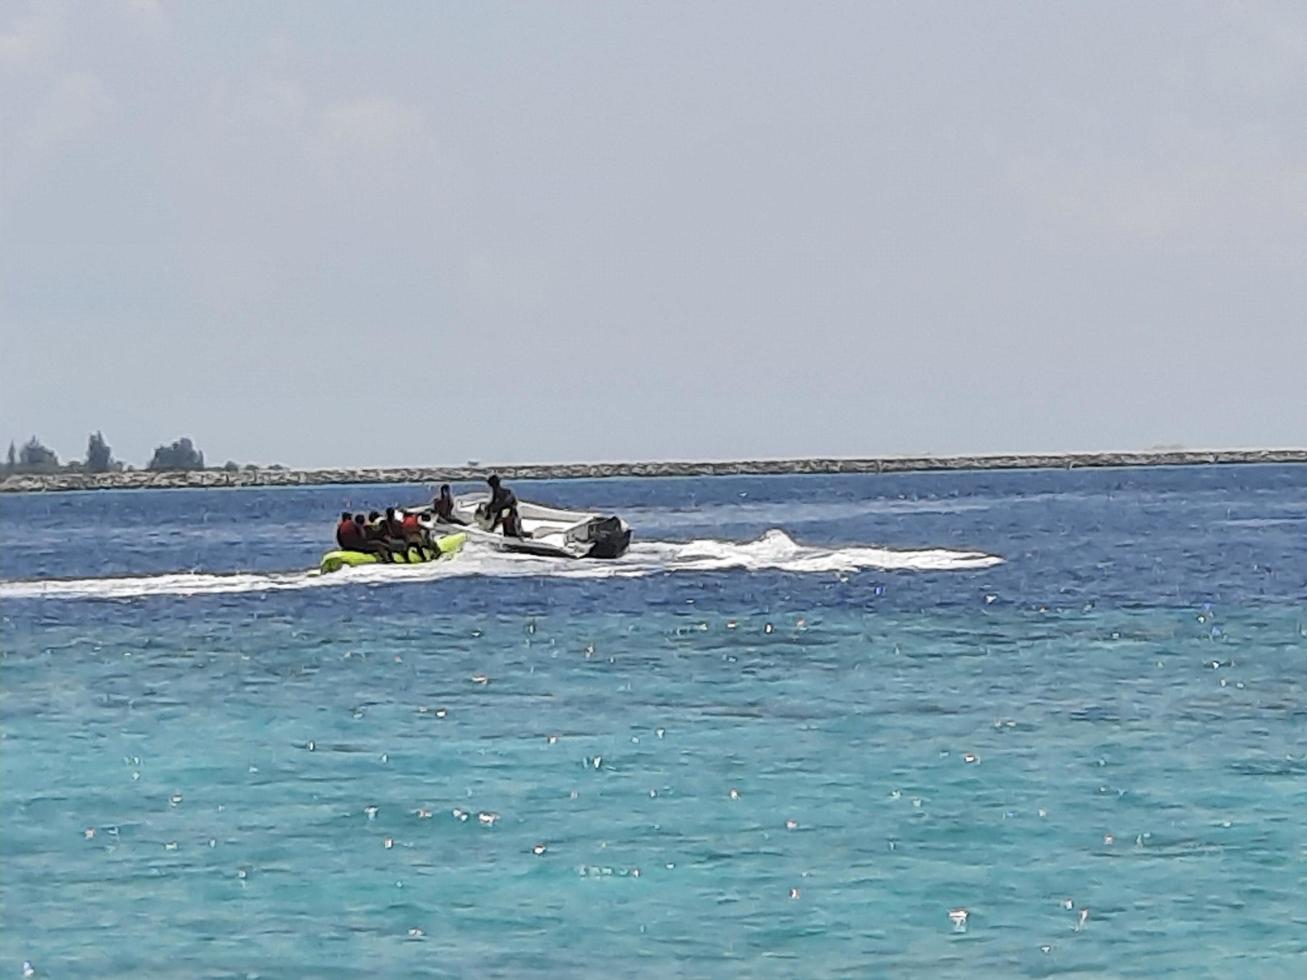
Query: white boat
x=547, y=531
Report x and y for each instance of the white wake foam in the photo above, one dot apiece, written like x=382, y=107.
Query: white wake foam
x=773, y=551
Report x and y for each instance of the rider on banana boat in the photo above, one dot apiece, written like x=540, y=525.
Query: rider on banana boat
x=351, y=536
x=397, y=535
x=415, y=535
x=376, y=531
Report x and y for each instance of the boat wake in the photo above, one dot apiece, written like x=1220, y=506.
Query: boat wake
x=774, y=551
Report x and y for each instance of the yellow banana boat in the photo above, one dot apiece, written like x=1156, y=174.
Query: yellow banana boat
x=446, y=546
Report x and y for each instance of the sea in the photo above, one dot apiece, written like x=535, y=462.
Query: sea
x=971, y=724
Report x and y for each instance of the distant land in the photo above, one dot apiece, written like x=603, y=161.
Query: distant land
x=281, y=477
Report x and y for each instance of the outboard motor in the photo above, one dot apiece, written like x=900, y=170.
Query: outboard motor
x=608, y=538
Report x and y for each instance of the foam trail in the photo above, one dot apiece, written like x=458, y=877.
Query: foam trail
x=774, y=551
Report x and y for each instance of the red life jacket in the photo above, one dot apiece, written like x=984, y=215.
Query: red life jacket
x=411, y=525
x=349, y=536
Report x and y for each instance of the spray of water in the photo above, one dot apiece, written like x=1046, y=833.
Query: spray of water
x=773, y=551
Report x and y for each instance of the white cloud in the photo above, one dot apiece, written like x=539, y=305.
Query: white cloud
x=903, y=188
x=31, y=39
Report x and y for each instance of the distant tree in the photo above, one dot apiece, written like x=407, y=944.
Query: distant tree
x=11, y=461
x=36, y=457
x=231, y=466
x=99, y=457
x=181, y=455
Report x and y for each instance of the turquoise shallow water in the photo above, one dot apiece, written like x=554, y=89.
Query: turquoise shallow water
x=733, y=754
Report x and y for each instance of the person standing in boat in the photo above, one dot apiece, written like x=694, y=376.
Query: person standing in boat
x=502, y=502
x=503, y=509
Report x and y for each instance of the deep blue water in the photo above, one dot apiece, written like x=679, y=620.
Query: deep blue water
x=737, y=754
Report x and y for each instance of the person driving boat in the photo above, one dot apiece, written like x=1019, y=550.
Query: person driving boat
x=502, y=501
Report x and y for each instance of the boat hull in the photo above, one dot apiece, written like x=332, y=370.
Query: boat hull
x=446, y=547
x=551, y=531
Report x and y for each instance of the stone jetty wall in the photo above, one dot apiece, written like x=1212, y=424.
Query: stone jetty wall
x=195, y=479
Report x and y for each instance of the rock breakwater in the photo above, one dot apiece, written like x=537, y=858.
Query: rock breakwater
x=209, y=479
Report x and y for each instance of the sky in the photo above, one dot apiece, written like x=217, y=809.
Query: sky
x=331, y=234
